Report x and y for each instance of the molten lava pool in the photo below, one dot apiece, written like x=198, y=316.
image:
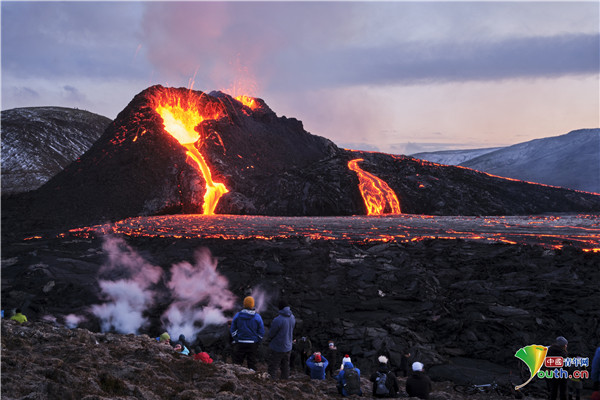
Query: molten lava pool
x=581, y=231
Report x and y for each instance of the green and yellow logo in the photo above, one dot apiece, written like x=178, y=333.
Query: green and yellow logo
x=534, y=356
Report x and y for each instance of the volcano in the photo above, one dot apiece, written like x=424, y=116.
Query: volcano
x=175, y=150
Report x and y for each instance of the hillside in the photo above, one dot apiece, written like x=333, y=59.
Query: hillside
x=453, y=157
x=571, y=161
x=41, y=360
x=39, y=142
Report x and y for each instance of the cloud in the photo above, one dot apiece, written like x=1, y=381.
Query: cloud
x=305, y=46
x=72, y=94
x=425, y=63
x=70, y=39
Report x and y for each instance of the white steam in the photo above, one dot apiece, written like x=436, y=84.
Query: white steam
x=128, y=297
x=199, y=293
x=261, y=299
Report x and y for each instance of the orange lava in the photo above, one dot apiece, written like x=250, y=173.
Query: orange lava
x=377, y=194
x=181, y=114
x=248, y=102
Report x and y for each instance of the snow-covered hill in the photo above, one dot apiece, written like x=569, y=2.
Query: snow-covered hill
x=453, y=157
x=571, y=160
x=39, y=142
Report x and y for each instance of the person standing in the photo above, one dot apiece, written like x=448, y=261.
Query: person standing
x=404, y=363
x=305, y=348
x=558, y=384
x=247, y=331
x=281, y=336
x=331, y=355
x=418, y=384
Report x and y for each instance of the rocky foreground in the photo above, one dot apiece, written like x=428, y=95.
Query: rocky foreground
x=43, y=361
x=462, y=308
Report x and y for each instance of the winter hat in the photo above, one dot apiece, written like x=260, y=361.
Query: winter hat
x=164, y=337
x=382, y=359
x=417, y=366
x=561, y=341
x=331, y=344
x=249, y=302
x=318, y=357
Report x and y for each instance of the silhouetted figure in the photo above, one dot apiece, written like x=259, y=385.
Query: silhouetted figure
x=281, y=336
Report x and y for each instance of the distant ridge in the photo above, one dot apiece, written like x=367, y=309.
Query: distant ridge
x=570, y=161
x=39, y=142
x=453, y=157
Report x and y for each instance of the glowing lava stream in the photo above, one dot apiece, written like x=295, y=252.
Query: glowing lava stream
x=375, y=192
x=248, y=102
x=180, y=124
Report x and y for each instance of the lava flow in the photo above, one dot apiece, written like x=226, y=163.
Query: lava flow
x=248, y=102
x=181, y=115
x=375, y=192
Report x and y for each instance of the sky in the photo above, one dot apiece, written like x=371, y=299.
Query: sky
x=396, y=76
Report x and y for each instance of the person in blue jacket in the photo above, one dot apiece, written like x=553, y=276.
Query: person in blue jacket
x=281, y=335
x=317, y=364
x=348, y=380
x=596, y=370
x=247, y=331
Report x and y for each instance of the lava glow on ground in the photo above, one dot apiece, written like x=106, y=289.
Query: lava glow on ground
x=581, y=231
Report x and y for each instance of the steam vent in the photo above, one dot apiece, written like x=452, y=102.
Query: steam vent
x=174, y=150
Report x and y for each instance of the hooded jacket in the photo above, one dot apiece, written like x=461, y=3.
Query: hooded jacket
x=317, y=369
x=341, y=379
x=282, y=331
x=390, y=381
x=247, y=327
x=418, y=385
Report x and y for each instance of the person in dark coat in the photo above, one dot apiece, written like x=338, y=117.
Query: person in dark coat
x=404, y=364
x=391, y=383
x=281, y=335
x=558, y=385
x=305, y=350
x=418, y=384
x=247, y=330
x=332, y=355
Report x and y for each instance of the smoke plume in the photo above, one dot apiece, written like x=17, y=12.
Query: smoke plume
x=126, y=289
x=199, y=294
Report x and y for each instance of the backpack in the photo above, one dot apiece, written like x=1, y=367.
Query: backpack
x=380, y=382
x=352, y=384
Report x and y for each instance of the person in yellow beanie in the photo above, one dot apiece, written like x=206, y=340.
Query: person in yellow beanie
x=247, y=330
